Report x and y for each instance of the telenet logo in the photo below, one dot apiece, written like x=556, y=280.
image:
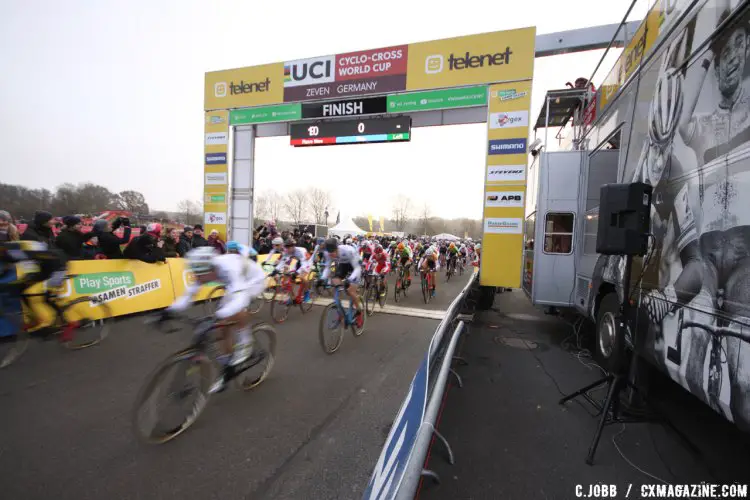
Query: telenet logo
x=433, y=64
x=436, y=63
x=220, y=89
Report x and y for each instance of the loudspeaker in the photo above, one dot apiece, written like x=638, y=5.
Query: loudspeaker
x=624, y=219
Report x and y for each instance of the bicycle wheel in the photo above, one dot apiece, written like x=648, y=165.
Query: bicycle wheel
x=265, y=340
x=212, y=302
x=176, y=411
x=382, y=294
x=306, y=306
x=370, y=299
x=280, y=305
x=357, y=331
x=14, y=345
x=331, y=328
x=256, y=304
x=425, y=291
x=397, y=288
x=81, y=329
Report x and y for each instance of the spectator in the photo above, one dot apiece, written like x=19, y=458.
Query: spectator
x=171, y=239
x=186, y=241
x=198, y=239
x=8, y=231
x=147, y=247
x=215, y=241
x=109, y=243
x=71, y=239
x=41, y=229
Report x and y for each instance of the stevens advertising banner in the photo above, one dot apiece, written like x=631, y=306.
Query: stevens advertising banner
x=505, y=184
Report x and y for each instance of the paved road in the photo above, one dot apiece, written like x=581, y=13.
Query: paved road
x=313, y=430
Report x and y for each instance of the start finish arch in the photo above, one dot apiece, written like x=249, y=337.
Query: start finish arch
x=332, y=99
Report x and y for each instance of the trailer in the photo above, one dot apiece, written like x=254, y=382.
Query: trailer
x=674, y=112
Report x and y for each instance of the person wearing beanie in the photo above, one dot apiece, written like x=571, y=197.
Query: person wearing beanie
x=198, y=239
x=71, y=239
x=215, y=241
x=109, y=243
x=8, y=231
x=147, y=247
x=186, y=241
x=40, y=229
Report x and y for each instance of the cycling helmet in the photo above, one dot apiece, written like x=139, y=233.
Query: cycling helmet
x=378, y=249
x=452, y=245
x=477, y=247
x=332, y=244
x=290, y=243
x=400, y=246
x=393, y=244
x=233, y=246
x=277, y=241
x=429, y=252
x=320, y=241
x=348, y=241
x=200, y=260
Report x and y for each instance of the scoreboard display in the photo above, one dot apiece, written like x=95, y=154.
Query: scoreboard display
x=395, y=129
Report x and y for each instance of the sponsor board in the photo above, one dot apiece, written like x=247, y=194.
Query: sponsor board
x=351, y=107
x=467, y=60
x=346, y=88
x=309, y=71
x=215, y=198
x=372, y=63
x=508, y=94
x=216, y=178
x=438, y=99
x=506, y=146
x=216, y=138
x=215, y=218
x=509, y=119
x=267, y=114
x=216, y=158
x=504, y=199
x=506, y=173
x=503, y=226
x=127, y=292
x=92, y=283
x=244, y=87
x=215, y=120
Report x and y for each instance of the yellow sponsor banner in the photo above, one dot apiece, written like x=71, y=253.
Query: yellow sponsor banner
x=499, y=56
x=244, y=87
x=369, y=221
x=382, y=223
x=216, y=121
x=505, y=184
x=216, y=171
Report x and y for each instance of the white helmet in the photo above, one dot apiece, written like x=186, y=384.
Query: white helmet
x=277, y=241
x=200, y=260
x=429, y=252
x=478, y=246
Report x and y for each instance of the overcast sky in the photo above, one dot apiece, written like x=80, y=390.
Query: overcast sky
x=111, y=92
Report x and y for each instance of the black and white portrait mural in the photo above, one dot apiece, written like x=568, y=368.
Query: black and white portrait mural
x=691, y=142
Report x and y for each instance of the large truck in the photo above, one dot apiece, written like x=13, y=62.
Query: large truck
x=673, y=113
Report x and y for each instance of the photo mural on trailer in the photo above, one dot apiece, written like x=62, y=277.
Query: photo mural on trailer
x=695, y=152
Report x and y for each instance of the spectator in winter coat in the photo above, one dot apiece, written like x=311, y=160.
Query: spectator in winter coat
x=8, y=231
x=198, y=239
x=71, y=239
x=171, y=238
x=41, y=229
x=215, y=241
x=186, y=241
x=147, y=247
x=109, y=243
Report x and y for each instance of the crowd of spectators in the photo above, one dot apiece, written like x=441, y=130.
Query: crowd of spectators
x=109, y=240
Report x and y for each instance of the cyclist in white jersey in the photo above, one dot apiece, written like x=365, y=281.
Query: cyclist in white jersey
x=347, y=267
x=243, y=280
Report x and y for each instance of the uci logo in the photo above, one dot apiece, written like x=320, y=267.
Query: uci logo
x=309, y=71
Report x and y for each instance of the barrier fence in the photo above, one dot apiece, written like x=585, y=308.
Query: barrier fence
x=400, y=465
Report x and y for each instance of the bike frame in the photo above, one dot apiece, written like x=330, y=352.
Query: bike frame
x=348, y=314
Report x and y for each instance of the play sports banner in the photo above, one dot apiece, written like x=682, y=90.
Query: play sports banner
x=499, y=56
x=505, y=184
x=216, y=172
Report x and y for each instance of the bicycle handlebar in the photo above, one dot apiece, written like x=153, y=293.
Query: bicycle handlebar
x=719, y=331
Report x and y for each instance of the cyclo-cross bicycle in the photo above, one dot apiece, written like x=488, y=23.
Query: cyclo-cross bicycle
x=451, y=268
x=217, y=292
x=285, y=297
x=375, y=290
x=187, y=376
x=426, y=285
x=77, y=324
x=674, y=354
x=402, y=285
x=335, y=318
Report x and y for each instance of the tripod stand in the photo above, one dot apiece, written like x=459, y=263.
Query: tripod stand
x=617, y=379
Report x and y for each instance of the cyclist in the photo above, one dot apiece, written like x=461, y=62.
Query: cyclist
x=244, y=250
x=243, y=280
x=477, y=253
x=366, y=249
x=303, y=264
x=347, y=264
x=452, y=254
x=463, y=254
x=429, y=263
x=405, y=256
x=381, y=263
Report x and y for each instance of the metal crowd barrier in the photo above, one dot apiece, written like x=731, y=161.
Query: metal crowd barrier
x=400, y=465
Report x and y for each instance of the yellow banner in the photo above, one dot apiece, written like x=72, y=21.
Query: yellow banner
x=500, y=56
x=382, y=224
x=369, y=221
x=244, y=87
x=505, y=184
x=216, y=172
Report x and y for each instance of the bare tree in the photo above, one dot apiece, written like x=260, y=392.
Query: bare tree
x=296, y=204
x=275, y=205
x=320, y=200
x=261, y=206
x=190, y=211
x=132, y=201
x=425, y=214
x=400, y=211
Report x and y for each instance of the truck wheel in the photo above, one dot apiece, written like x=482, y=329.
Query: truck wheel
x=486, y=297
x=606, y=349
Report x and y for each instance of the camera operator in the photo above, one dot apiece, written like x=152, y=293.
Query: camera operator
x=109, y=243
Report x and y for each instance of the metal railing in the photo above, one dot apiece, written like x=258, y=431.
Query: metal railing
x=400, y=465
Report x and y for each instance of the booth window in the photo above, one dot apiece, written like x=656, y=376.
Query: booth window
x=558, y=233
x=529, y=233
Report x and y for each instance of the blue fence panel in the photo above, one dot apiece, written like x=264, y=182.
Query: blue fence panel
x=389, y=471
